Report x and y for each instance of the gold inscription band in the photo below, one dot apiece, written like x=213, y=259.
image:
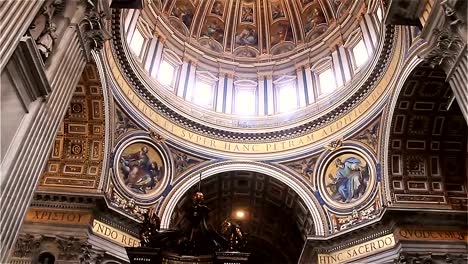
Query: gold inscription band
x=58, y=216
x=406, y=233
x=359, y=251
x=110, y=233
x=253, y=148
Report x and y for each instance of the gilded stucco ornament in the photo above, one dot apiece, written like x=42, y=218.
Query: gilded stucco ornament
x=449, y=44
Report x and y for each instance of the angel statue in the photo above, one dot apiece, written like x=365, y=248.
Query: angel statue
x=46, y=41
x=149, y=229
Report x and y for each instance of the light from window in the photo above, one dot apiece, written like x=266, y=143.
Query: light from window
x=379, y=14
x=245, y=102
x=203, y=94
x=137, y=42
x=287, y=98
x=360, y=54
x=327, y=82
x=166, y=73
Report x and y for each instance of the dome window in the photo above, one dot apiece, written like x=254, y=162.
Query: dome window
x=203, y=95
x=166, y=74
x=286, y=94
x=245, y=102
x=360, y=54
x=379, y=14
x=136, y=43
x=245, y=97
x=327, y=81
x=287, y=98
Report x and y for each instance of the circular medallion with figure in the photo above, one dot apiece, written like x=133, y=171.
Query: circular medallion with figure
x=347, y=178
x=140, y=169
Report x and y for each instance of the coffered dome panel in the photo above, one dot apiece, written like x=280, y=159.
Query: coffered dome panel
x=224, y=26
x=251, y=71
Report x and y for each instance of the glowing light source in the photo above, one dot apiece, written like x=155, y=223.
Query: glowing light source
x=240, y=214
x=287, y=98
x=360, y=54
x=327, y=82
x=379, y=14
x=136, y=44
x=245, y=102
x=166, y=73
x=203, y=95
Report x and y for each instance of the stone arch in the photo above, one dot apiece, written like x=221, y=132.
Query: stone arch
x=425, y=142
x=285, y=177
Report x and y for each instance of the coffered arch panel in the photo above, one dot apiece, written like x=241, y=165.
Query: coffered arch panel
x=427, y=155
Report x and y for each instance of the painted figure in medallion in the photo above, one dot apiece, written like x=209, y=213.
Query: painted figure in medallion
x=142, y=170
x=350, y=180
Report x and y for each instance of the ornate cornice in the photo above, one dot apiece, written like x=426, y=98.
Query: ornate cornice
x=63, y=201
x=247, y=137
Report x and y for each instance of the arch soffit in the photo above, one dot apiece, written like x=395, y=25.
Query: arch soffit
x=387, y=119
x=285, y=177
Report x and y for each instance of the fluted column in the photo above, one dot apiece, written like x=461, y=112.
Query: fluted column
x=446, y=30
x=309, y=83
x=301, y=85
x=22, y=173
x=229, y=92
x=16, y=18
x=181, y=85
x=262, y=92
x=220, y=99
x=190, y=81
x=458, y=82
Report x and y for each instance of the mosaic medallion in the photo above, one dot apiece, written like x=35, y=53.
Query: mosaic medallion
x=346, y=178
x=140, y=169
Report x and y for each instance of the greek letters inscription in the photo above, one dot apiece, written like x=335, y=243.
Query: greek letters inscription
x=69, y=217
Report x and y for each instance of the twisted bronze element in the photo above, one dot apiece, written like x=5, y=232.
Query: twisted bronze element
x=232, y=232
x=149, y=230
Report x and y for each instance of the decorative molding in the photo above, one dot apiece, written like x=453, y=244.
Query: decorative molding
x=448, y=48
x=194, y=126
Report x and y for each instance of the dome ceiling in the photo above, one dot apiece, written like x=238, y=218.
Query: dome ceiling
x=251, y=28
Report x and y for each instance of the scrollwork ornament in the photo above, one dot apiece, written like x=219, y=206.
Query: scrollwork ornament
x=90, y=255
x=70, y=248
x=448, y=48
x=92, y=28
x=26, y=245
